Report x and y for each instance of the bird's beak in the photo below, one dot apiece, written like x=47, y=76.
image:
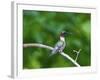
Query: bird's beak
x=67, y=33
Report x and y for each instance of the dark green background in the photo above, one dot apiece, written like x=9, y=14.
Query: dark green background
x=44, y=27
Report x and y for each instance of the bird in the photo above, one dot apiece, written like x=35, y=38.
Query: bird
x=60, y=45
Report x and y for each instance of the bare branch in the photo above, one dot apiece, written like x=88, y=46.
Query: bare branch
x=50, y=48
x=77, y=52
x=68, y=57
x=37, y=45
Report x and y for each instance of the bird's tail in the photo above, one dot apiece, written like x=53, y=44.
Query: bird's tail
x=52, y=53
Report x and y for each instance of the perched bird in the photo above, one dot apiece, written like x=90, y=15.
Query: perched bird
x=60, y=45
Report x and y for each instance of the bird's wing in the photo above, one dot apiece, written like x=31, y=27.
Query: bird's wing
x=57, y=46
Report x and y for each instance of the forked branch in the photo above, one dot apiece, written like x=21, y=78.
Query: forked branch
x=50, y=48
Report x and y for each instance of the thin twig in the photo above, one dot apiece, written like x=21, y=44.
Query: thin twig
x=72, y=60
x=77, y=52
x=50, y=48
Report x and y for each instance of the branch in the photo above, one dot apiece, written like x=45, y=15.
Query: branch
x=50, y=48
x=37, y=45
x=68, y=57
x=77, y=52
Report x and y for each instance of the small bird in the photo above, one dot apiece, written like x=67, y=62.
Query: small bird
x=60, y=45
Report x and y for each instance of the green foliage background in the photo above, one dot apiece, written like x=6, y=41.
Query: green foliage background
x=44, y=27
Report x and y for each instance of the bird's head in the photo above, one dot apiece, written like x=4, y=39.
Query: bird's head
x=64, y=33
